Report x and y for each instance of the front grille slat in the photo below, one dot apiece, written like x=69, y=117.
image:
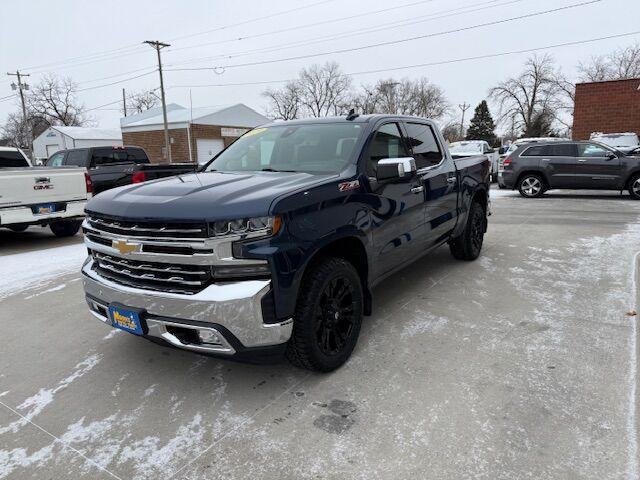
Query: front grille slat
x=186, y=279
x=152, y=229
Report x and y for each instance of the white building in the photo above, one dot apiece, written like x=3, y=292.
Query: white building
x=60, y=138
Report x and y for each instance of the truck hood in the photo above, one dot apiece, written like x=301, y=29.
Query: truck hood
x=203, y=196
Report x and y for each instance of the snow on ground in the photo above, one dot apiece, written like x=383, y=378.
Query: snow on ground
x=22, y=271
x=499, y=193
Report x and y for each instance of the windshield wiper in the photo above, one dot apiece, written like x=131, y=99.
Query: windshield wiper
x=269, y=169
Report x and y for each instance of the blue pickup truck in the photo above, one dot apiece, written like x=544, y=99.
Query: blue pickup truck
x=273, y=247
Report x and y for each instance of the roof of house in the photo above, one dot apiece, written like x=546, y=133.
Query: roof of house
x=87, y=133
x=238, y=115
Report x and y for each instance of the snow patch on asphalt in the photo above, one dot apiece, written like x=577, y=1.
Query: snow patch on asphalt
x=22, y=271
x=424, y=323
x=34, y=405
x=48, y=290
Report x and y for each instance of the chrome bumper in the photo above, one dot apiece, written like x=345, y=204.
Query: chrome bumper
x=234, y=306
x=17, y=215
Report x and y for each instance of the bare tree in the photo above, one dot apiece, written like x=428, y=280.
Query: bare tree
x=618, y=65
x=138, y=102
x=404, y=97
x=285, y=103
x=324, y=90
x=54, y=101
x=531, y=99
x=451, y=131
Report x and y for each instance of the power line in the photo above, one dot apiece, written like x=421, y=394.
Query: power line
x=364, y=31
x=404, y=40
x=87, y=56
x=431, y=64
x=265, y=17
x=99, y=107
x=300, y=27
x=117, y=82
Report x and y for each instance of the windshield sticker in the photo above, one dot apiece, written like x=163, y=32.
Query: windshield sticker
x=254, y=132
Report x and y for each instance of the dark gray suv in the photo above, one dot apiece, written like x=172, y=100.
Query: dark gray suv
x=535, y=168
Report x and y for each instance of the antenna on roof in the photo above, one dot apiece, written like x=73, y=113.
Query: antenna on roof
x=352, y=115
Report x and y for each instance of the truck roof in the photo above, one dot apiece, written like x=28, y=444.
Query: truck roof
x=342, y=119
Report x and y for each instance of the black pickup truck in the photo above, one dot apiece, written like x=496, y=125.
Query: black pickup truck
x=111, y=167
x=275, y=245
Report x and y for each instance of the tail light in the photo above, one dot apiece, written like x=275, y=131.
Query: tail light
x=506, y=161
x=138, y=177
x=88, y=183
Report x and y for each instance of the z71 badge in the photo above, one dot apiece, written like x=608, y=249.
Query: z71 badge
x=344, y=186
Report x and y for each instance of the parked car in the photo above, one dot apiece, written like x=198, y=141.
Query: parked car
x=532, y=169
x=624, y=142
x=41, y=196
x=111, y=167
x=275, y=246
x=517, y=143
x=470, y=148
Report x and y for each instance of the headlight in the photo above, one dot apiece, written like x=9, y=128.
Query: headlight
x=246, y=226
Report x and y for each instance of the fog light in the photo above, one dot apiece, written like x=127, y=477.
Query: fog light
x=209, y=336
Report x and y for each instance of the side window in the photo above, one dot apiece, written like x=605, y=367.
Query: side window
x=55, y=160
x=76, y=158
x=387, y=143
x=102, y=156
x=592, y=150
x=424, y=145
x=537, y=151
x=562, y=150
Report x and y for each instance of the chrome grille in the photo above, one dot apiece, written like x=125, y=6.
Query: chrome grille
x=149, y=229
x=183, y=279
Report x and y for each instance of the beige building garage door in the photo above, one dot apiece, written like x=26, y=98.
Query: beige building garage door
x=208, y=148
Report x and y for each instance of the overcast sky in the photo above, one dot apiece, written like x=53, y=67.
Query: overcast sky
x=42, y=36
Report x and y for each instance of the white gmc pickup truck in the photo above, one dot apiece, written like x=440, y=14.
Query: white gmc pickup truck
x=40, y=195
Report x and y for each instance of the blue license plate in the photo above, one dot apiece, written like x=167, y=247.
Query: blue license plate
x=45, y=208
x=127, y=320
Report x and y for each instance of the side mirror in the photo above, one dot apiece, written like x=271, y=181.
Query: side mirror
x=611, y=156
x=395, y=168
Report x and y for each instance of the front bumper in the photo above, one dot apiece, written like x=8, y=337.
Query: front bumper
x=24, y=214
x=231, y=313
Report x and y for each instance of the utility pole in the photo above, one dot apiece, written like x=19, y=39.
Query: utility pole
x=21, y=87
x=158, y=46
x=464, y=107
x=124, y=102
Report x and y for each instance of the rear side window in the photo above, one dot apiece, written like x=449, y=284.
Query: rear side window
x=77, y=158
x=56, y=160
x=12, y=158
x=424, y=145
x=537, y=151
x=387, y=143
x=562, y=150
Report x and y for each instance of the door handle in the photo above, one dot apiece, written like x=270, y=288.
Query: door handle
x=545, y=160
x=417, y=189
x=581, y=160
x=451, y=179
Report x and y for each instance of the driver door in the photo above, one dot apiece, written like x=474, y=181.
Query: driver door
x=597, y=167
x=397, y=212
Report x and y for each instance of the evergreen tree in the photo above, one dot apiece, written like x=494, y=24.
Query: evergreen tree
x=482, y=126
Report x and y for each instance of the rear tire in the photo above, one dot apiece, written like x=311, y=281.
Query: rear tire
x=634, y=187
x=328, y=316
x=468, y=244
x=65, y=228
x=18, y=228
x=531, y=185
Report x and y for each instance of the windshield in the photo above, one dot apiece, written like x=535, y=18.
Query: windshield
x=618, y=140
x=312, y=148
x=465, y=147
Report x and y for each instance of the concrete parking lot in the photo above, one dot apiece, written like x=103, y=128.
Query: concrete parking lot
x=522, y=364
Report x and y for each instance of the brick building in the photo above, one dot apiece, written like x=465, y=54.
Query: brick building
x=196, y=135
x=608, y=107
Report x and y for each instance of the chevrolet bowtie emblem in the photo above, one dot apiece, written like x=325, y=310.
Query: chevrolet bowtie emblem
x=125, y=247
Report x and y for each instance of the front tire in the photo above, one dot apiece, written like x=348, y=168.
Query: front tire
x=634, y=187
x=328, y=316
x=65, y=228
x=531, y=186
x=468, y=244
